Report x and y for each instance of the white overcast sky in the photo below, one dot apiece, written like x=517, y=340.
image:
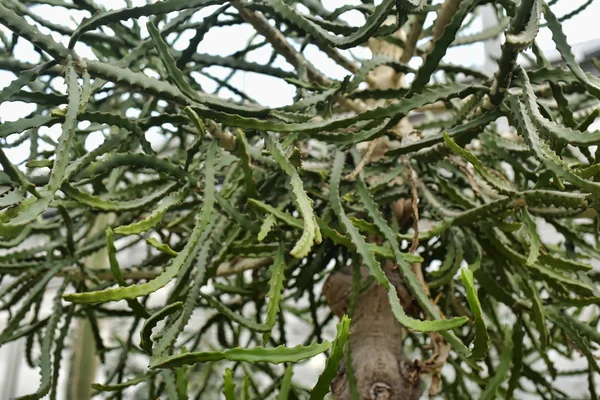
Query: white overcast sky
x=269, y=91
x=224, y=41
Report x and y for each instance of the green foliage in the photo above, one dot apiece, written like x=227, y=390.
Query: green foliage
x=480, y=343
x=229, y=385
x=275, y=355
x=502, y=370
x=331, y=366
x=238, y=212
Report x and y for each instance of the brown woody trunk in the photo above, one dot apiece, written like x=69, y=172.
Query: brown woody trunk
x=376, y=342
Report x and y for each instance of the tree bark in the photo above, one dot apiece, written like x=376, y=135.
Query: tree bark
x=381, y=370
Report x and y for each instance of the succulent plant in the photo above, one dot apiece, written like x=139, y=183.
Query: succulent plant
x=406, y=201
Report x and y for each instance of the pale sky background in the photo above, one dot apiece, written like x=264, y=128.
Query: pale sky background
x=268, y=91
